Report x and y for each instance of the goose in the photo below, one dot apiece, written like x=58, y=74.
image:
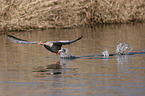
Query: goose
x=52, y=46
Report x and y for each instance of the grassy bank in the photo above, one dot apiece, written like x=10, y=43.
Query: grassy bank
x=17, y=15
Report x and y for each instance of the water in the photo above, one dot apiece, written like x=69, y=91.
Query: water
x=31, y=70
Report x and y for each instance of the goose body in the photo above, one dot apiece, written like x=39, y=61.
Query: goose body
x=53, y=46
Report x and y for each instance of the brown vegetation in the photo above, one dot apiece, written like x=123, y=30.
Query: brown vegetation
x=17, y=15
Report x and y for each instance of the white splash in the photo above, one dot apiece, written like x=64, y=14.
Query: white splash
x=64, y=54
x=123, y=48
x=106, y=53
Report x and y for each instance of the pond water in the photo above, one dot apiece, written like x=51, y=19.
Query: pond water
x=31, y=70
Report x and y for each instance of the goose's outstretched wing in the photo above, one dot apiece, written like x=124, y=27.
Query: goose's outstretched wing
x=66, y=42
x=20, y=41
x=55, y=46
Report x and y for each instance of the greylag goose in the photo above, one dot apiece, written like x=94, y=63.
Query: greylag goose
x=53, y=46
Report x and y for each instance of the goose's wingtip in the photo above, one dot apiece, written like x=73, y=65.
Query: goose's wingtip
x=80, y=37
x=10, y=36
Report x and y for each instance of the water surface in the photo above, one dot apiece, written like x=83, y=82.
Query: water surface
x=29, y=70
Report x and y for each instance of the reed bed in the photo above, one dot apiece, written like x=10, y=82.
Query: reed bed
x=19, y=15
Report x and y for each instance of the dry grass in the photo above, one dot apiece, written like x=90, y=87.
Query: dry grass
x=17, y=15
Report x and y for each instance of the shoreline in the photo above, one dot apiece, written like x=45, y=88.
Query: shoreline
x=25, y=15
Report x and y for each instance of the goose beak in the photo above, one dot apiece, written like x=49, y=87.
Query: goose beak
x=39, y=43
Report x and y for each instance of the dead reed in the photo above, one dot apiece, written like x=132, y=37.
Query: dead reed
x=18, y=15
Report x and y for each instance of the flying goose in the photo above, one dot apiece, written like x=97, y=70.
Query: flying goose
x=53, y=46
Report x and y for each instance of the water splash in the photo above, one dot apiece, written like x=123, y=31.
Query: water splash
x=123, y=48
x=64, y=54
x=106, y=53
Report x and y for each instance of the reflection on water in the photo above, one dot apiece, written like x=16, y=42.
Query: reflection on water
x=123, y=59
x=29, y=70
x=52, y=69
